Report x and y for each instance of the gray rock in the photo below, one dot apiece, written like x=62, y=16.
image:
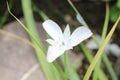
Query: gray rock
x=17, y=57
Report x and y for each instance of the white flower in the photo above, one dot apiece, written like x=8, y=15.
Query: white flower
x=110, y=48
x=62, y=41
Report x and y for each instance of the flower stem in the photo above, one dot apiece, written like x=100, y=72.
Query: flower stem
x=65, y=63
x=69, y=70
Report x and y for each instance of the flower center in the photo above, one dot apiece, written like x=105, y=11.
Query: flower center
x=63, y=44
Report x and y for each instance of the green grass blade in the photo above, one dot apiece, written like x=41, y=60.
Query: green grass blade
x=104, y=32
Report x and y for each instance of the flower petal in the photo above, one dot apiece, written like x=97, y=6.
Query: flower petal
x=114, y=49
x=53, y=53
x=91, y=43
x=52, y=29
x=67, y=31
x=50, y=41
x=80, y=34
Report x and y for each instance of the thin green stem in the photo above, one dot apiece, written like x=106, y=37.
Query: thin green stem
x=105, y=26
x=17, y=37
x=111, y=71
x=60, y=71
x=70, y=71
x=104, y=32
x=77, y=13
x=65, y=63
x=40, y=12
x=5, y=15
x=86, y=51
x=74, y=8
